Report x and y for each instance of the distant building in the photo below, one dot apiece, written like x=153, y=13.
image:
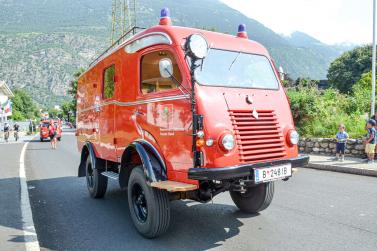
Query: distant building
x=323, y=84
x=5, y=104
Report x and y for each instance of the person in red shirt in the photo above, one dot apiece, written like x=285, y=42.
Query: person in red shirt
x=53, y=134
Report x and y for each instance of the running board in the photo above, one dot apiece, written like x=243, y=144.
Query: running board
x=111, y=175
x=173, y=186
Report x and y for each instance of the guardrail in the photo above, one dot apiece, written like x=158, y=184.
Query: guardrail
x=132, y=32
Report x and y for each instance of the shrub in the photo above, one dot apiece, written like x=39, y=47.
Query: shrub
x=318, y=113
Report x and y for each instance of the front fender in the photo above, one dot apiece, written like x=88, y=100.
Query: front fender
x=151, y=161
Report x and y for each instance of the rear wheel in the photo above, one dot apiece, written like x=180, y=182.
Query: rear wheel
x=149, y=207
x=95, y=181
x=59, y=139
x=41, y=139
x=255, y=199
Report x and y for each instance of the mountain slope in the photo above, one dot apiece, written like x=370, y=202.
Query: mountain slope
x=43, y=41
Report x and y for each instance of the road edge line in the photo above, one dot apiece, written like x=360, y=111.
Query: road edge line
x=30, y=235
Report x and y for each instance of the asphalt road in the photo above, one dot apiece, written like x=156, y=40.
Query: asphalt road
x=316, y=210
x=11, y=234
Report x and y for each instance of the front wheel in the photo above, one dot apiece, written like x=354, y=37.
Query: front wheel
x=255, y=199
x=149, y=207
x=95, y=181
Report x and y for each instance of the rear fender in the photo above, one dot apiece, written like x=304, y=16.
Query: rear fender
x=87, y=150
x=142, y=153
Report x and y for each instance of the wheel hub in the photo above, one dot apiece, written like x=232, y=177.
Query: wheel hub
x=90, y=176
x=139, y=203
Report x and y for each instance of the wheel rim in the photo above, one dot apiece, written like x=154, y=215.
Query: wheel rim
x=139, y=203
x=90, y=175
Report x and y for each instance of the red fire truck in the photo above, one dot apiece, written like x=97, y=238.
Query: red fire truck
x=44, y=131
x=179, y=113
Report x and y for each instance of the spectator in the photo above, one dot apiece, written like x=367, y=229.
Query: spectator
x=370, y=142
x=341, y=138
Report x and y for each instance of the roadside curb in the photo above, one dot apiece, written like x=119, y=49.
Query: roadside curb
x=342, y=169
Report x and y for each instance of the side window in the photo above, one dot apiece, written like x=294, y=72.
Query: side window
x=151, y=79
x=108, y=82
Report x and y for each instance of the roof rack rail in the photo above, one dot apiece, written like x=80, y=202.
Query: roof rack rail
x=133, y=31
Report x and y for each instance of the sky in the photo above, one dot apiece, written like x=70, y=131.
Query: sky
x=330, y=21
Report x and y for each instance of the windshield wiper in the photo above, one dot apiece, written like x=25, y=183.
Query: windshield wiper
x=230, y=67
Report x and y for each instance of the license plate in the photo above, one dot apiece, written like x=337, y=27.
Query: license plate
x=272, y=173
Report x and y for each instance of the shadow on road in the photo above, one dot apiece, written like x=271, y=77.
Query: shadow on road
x=71, y=220
x=33, y=140
x=10, y=214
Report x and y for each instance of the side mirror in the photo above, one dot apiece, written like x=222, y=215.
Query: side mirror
x=281, y=73
x=196, y=47
x=166, y=68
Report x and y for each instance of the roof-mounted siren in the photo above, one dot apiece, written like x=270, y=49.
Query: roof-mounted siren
x=242, y=31
x=165, y=17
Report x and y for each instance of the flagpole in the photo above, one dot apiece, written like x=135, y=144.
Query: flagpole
x=373, y=103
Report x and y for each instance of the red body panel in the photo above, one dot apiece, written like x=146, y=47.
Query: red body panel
x=164, y=118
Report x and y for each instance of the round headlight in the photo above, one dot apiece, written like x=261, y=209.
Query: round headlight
x=197, y=46
x=227, y=141
x=293, y=137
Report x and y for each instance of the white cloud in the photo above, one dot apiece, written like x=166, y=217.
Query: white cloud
x=331, y=21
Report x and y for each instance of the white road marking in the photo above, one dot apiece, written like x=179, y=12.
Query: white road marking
x=30, y=235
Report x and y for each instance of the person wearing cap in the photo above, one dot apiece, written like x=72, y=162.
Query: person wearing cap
x=370, y=142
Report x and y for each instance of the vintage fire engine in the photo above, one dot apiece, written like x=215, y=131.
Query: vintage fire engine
x=179, y=113
x=44, y=131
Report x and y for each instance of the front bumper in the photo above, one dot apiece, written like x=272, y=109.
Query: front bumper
x=232, y=172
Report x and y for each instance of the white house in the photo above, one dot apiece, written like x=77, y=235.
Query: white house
x=5, y=94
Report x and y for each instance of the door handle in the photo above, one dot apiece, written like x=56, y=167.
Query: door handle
x=97, y=107
x=139, y=112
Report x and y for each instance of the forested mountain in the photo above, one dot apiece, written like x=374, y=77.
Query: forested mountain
x=42, y=42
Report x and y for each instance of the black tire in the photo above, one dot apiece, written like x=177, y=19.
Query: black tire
x=255, y=199
x=95, y=181
x=59, y=139
x=41, y=139
x=149, y=207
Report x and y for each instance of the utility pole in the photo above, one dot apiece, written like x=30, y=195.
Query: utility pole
x=123, y=18
x=373, y=103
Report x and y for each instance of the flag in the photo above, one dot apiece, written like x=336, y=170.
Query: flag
x=7, y=109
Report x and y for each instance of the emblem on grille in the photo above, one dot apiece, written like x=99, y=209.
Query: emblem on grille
x=249, y=100
x=255, y=114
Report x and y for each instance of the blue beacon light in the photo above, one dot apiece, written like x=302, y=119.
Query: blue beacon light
x=242, y=31
x=165, y=17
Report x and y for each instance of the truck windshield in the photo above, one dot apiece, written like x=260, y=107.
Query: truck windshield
x=236, y=69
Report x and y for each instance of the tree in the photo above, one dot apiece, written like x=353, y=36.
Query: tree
x=360, y=100
x=306, y=82
x=69, y=108
x=55, y=113
x=72, y=91
x=347, y=69
x=23, y=106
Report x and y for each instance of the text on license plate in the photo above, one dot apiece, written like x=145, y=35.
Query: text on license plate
x=272, y=173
